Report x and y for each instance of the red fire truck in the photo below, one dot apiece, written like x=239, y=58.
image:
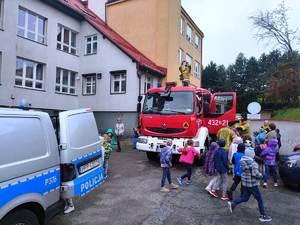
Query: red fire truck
x=182, y=113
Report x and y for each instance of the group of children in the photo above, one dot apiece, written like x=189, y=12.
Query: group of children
x=188, y=154
x=218, y=159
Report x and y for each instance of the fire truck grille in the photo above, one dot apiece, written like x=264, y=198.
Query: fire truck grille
x=166, y=130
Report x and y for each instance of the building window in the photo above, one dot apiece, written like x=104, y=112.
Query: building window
x=118, y=82
x=1, y=13
x=66, y=40
x=189, y=33
x=65, y=81
x=188, y=59
x=181, y=25
x=89, y=84
x=196, y=69
x=148, y=83
x=29, y=74
x=180, y=56
x=197, y=41
x=31, y=26
x=91, y=45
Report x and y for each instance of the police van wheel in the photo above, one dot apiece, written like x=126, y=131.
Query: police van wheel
x=152, y=156
x=21, y=217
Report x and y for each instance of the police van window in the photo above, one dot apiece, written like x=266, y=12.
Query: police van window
x=223, y=103
x=21, y=139
x=83, y=130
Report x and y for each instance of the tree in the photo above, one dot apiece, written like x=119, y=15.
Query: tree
x=214, y=77
x=273, y=25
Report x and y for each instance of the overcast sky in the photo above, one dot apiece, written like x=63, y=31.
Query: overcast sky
x=228, y=30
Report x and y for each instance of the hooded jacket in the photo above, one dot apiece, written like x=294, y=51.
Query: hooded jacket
x=233, y=147
x=251, y=176
x=209, y=165
x=221, y=161
x=269, y=153
x=165, y=156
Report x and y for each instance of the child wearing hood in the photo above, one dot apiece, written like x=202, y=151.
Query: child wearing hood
x=237, y=168
x=269, y=156
x=165, y=163
x=221, y=165
x=209, y=165
x=250, y=182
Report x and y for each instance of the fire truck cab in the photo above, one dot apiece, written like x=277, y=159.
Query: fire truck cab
x=182, y=113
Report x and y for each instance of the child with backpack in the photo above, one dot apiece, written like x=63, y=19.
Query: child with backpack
x=209, y=165
x=250, y=185
x=237, y=168
x=165, y=163
x=269, y=156
x=187, y=159
x=221, y=165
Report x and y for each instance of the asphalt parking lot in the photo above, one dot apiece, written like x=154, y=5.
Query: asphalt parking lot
x=131, y=196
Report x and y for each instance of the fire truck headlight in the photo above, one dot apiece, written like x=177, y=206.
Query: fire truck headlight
x=142, y=140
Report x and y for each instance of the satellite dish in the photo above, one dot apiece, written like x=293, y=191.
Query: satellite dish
x=254, y=108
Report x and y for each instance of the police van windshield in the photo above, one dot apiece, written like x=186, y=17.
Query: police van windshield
x=174, y=103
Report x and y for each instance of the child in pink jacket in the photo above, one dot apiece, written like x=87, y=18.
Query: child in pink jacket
x=187, y=159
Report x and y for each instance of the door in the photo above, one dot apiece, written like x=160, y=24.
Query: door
x=81, y=153
x=222, y=111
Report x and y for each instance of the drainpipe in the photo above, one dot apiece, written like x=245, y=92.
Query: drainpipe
x=139, y=75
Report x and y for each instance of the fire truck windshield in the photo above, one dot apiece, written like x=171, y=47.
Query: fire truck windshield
x=173, y=103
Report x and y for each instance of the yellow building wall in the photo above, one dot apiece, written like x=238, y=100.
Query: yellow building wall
x=153, y=27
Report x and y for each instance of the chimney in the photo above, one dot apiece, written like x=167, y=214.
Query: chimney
x=97, y=6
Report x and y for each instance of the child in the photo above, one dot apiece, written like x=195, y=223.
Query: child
x=119, y=131
x=209, y=165
x=165, y=163
x=221, y=165
x=135, y=136
x=250, y=182
x=237, y=168
x=269, y=156
x=187, y=159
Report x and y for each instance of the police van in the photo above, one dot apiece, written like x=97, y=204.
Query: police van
x=39, y=169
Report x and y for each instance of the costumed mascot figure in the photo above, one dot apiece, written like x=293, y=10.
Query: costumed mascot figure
x=185, y=70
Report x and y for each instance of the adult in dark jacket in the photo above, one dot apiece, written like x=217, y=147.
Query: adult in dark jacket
x=221, y=165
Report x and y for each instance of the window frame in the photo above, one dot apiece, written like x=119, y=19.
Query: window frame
x=182, y=25
x=84, y=84
x=197, y=73
x=188, y=37
x=197, y=43
x=181, y=55
x=26, y=30
x=148, y=82
x=0, y=65
x=62, y=29
x=68, y=85
x=1, y=14
x=92, y=42
x=23, y=78
x=116, y=73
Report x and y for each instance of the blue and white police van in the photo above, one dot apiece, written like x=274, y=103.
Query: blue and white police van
x=40, y=167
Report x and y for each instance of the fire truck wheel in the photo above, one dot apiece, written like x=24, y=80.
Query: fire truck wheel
x=152, y=156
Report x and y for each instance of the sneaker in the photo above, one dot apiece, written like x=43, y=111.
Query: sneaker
x=224, y=198
x=174, y=186
x=165, y=190
x=213, y=193
x=208, y=189
x=265, y=218
x=179, y=180
x=275, y=184
x=265, y=185
x=189, y=182
x=230, y=206
x=69, y=209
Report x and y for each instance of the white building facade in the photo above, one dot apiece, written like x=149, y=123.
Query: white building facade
x=56, y=59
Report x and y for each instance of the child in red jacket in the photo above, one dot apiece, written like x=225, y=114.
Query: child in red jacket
x=187, y=159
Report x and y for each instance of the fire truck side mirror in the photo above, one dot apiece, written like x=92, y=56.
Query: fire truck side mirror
x=139, y=107
x=140, y=98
